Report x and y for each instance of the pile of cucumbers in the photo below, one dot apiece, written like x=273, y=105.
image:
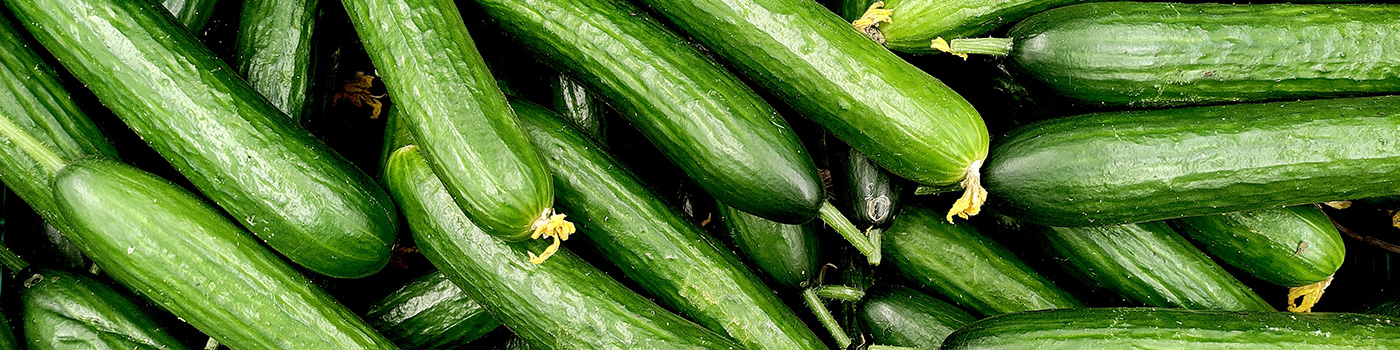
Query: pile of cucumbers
x=699, y=174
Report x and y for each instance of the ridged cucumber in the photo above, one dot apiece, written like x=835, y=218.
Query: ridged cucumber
x=579, y=105
x=70, y=311
x=1290, y=247
x=899, y=316
x=784, y=253
x=430, y=313
x=274, y=51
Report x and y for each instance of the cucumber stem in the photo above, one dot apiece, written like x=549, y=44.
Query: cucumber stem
x=809, y=296
x=973, y=46
x=873, y=234
x=833, y=217
x=843, y=293
x=31, y=146
x=11, y=260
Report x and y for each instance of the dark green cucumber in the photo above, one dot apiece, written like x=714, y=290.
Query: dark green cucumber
x=1290, y=247
x=170, y=246
x=1151, y=264
x=703, y=118
x=902, y=118
x=274, y=51
x=193, y=14
x=867, y=192
x=784, y=253
x=579, y=105
x=71, y=311
x=1149, y=328
x=899, y=316
x=914, y=24
x=455, y=111
x=1167, y=54
x=303, y=199
x=667, y=255
x=7, y=334
x=967, y=267
x=430, y=313
x=562, y=304
x=1125, y=167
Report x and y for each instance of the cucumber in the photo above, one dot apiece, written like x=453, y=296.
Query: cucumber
x=786, y=254
x=457, y=114
x=579, y=105
x=902, y=118
x=303, y=199
x=430, y=313
x=914, y=24
x=1290, y=247
x=193, y=14
x=866, y=191
x=274, y=51
x=7, y=334
x=565, y=304
x=171, y=247
x=967, y=267
x=70, y=311
x=703, y=118
x=667, y=255
x=1121, y=328
x=899, y=316
x=1126, y=167
x=1151, y=264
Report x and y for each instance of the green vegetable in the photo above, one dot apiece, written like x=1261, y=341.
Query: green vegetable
x=784, y=253
x=430, y=313
x=70, y=311
x=193, y=14
x=914, y=24
x=865, y=190
x=897, y=315
x=579, y=105
x=274, y=51
x=1290, y=247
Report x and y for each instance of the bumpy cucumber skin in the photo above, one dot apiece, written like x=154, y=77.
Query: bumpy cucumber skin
x=306, y=201
x=70, y=311
x=580, y=106
x=430, y=313
x=1149, y=328
x=653, y=245
x=902, y=118
x=1290, y=247
x=455, y=111
x=915, y=23
x=193, y=14
x=561, y=304
x=899, y=316
x=870, y=196
x=274, y=51
x=1151, y=264
x=1126, y=167
x=784, y=253
x=970, y=269
x=170, y=246
x=722, y=134
x=1167, y=54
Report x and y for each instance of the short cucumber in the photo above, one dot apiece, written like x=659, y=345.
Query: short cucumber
x=193, y=14
x=1126, y=167
x=562, y=304
x=1151, y=264
x=274, y=51
x=185, y=256
x=430, y=313
x=667, y=255
x=276, y=179
x=70, y=311
x=784, y=253
x=1122, y=328
x=967, y=267
x=900, y=316
x=1290, y=247
x=701, y=117
x=868, y=193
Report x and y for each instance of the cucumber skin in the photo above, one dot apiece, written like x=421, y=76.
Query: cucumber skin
x=455, y=111
x=72, y=311
x=867, y=192
x=968, y=268
x=275, y=51
x=1176, y=329
x=787, y=254
x=899, y=316
x=430, y=313
x=703, y=118
x=666, y=254
x=915, y=23
x=7, y=335
x=193, y=14
x=1151, y=264
x=1126, y=167
x=1165, y=54
x=1265, y=243
x=170, y=246
x=902, y=118
x=535, y=301
x=284, y=185
x=580, y=106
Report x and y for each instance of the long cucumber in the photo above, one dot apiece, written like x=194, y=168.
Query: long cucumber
x=430, y=313
x=70, y=311
x=275, y=53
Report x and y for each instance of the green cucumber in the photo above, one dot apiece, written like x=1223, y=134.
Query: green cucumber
x=193, y=14
x=1290, y=247
x=667, y=255
x=288, y=188
x=1144, y=328
x=564, y=304
x=904, y=119
x=899, y=316
x=70, y=311
x=784, y=253
x=274, y=51
x=430, y=313
x=7, y=334
x=1151, y=264
x=914, y=24
x=170, y=246
x=866, y=191
x=967, y=267
x=455, y=111
x=701, y=117
x=1126, y=167
x=579, y=105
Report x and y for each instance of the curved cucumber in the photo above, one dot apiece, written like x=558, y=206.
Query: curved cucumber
x=1151, y=264
x=455, y=111
x=71, y=311
x=170, y=246
x=430, y=313
x=274, y=51
x=899, y=316
x=563, y=304
x=1290, y=247
x=970, y=269
x=663, y=252
x=784, y=253
x=281, y=183
x=1125, y=167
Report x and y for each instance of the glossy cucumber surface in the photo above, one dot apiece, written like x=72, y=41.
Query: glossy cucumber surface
x=900, y=316
x=784, y=253
x=275, y=53
x=430, y=313
x=915, y=23
x=70, y=311
x=1290, y=247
